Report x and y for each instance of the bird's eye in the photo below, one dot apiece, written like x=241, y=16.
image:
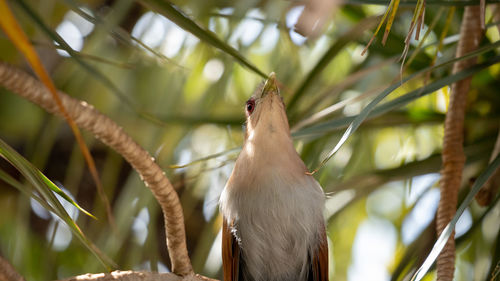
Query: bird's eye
x=250, y=106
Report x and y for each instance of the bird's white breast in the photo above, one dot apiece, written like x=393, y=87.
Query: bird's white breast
x=278, y=220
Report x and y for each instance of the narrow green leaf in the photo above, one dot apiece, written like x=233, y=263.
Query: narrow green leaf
x=178, y=17
x=403, y=100
x=429, y=89
x=445, y=235
x=61, y=193
x=46, y=190
x=371, y=111
x=33, y=174
x=24, y=189
x=390, y=20
x=362, y=73
x=391, y=4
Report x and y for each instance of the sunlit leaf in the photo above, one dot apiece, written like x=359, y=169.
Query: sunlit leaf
x=371, y=111
x=28, y=191
x=394, y=10
x=391, y=4
x=46, y=190
x=405, y=99
x=34, y=175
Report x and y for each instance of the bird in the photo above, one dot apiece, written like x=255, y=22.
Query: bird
x=273, y=227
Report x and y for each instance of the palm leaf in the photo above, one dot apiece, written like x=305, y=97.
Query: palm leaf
x=24, y=189
x=403, y=100
x=46, y=189
x=371, y=111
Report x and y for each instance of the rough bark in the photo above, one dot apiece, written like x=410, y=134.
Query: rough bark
x=8, y=272
x=136, y=276
x=453, y=154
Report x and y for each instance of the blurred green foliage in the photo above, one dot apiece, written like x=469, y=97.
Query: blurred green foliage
x=182, y=99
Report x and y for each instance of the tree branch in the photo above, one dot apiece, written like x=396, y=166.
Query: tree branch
x=113, y=135
x=136, y=276
x=8, y=272
x=453, y=153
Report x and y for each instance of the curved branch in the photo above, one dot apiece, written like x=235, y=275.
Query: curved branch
x=453, y=153
x=113, y=135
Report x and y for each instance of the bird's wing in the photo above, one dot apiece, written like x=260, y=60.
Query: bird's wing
x=230, y=254
x=319, y=262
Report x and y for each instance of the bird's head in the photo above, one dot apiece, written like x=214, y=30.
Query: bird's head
x=268, y=155
x=266, y=115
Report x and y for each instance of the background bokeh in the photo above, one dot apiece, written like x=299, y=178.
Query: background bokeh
x=182, y=100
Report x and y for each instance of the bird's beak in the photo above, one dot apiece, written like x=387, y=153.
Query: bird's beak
x=270, y=86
